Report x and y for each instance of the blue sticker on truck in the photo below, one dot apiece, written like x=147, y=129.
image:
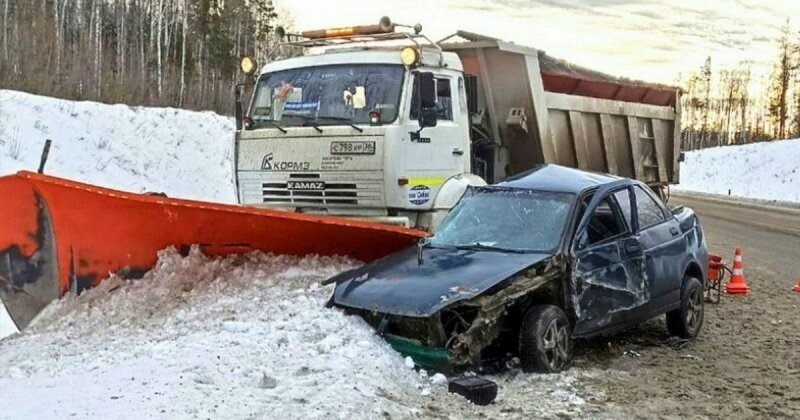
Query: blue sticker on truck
x=419, y=195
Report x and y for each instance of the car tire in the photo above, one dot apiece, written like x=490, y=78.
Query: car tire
x=685, y=322
x=545, y=340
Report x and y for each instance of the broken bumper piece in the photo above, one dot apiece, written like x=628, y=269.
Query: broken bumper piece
x=434, y=358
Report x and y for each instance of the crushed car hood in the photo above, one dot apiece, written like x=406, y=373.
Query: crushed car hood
x=400, y=285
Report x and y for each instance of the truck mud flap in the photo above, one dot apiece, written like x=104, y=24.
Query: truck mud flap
x=58, y=235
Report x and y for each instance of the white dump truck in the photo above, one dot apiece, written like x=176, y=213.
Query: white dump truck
x=379, y=122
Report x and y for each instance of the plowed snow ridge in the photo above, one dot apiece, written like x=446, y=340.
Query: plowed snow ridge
x=239, y=337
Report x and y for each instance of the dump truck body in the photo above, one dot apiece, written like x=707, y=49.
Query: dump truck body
x=537, y=109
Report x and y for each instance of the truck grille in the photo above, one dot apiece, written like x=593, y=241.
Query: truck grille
x=327, y=190
x=333, y=193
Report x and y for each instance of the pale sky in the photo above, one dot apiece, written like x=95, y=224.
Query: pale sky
x=650, y=40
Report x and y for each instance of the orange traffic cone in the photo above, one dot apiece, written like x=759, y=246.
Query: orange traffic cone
x=737, y=285
x=796, y=288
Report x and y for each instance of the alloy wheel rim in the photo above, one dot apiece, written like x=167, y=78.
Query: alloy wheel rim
x=555, y=344
x=694, y=310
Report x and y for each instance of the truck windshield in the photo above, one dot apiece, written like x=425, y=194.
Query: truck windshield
x=328, y=95
x=505, y=220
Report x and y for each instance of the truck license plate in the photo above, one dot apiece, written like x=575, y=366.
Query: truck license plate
x=353, y=148
x=305, y=185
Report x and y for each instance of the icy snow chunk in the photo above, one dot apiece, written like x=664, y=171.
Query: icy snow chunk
x=15, y=373
x=409, y=362
x=439, y=379
x=236, y=326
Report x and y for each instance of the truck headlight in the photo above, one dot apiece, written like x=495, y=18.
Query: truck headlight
x=248, y=65
x=409, y=56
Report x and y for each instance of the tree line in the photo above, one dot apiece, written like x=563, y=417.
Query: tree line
x=185, y=53
x=181, y=53
x=732, y=106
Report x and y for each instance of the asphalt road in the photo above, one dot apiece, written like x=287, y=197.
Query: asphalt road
x=745, y=363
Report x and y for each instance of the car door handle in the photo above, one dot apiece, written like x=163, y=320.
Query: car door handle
x=674, y=231
x=633, y=248
x=458, y=152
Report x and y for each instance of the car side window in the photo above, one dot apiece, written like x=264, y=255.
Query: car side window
x=647, y=209
x=605, y=223
x=444, y=100
x=624, y=201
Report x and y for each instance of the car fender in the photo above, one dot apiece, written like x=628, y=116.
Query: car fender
x=696, y=251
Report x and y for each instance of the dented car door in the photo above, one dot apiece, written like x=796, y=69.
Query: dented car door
x=608, y=266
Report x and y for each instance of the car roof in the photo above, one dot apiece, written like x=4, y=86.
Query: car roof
x=558, y=178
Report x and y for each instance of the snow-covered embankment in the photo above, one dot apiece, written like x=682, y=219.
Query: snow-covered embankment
x=761, y=171
x=182, y=153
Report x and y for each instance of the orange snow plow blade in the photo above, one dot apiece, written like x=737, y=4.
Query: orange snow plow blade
x=58, y=235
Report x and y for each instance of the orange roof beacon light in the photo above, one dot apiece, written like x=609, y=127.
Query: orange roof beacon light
x=385, y=26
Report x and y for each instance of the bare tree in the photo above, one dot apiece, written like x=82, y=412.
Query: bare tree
x=779, y=84
x=142, y=52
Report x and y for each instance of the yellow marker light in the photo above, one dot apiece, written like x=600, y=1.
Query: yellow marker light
x=248, y=65
x=409, y=56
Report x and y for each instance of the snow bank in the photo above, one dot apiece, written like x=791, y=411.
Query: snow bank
x=761, y=171
x=181, y=153
x=239, y=337
x=7, y=326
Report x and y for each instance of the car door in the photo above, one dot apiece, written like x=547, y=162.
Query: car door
x=663, y=246
x=607, y=266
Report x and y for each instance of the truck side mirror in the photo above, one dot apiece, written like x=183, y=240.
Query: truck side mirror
x=237, y=106
x=425, y=104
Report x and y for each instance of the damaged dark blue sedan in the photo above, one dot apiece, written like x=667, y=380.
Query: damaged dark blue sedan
x=523, y=267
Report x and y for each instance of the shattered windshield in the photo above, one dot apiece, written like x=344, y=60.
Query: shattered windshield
x=328, y=95
x=506, y=220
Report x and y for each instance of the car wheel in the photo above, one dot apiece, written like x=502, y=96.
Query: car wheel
x=685, y=322
x=545, y=340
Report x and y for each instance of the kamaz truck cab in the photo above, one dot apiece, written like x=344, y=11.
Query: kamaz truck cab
x=371, y=132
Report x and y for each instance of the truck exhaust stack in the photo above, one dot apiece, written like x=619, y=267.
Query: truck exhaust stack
x=58, y=236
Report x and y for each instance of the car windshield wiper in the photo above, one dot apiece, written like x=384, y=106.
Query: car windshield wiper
x=270, y=122
x=348, y=121
x=486, y=247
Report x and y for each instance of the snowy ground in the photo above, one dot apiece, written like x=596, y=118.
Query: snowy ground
x=240, y=337
x=761, y=171
x=182, y=153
